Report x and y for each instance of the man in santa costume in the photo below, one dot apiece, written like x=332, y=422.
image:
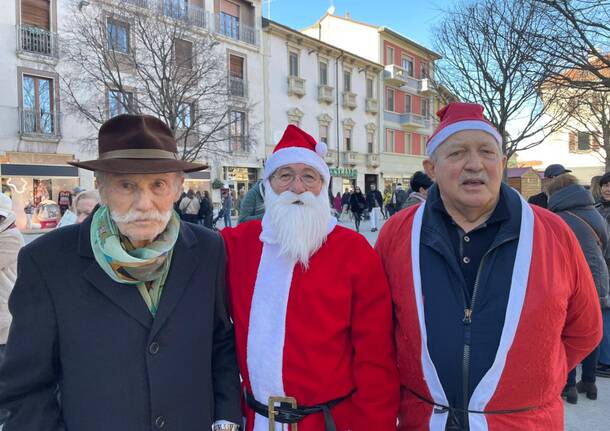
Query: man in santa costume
x=493, y=299
x=311, y=306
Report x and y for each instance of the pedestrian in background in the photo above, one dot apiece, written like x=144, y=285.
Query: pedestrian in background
x=374, y=202
x=420, y=183
x=357, y=205
x=603, y=206
x=227, y=207
x=206, y=212
x=387, y=197
x=575, y=206
x=345, y=204
x=252, y=206
x=551, y=171
x=337, y=205
x=595, y=189
x=189, y=207
x=399, y=197
x=11, y=242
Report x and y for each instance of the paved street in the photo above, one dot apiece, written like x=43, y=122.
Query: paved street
x=585, y=416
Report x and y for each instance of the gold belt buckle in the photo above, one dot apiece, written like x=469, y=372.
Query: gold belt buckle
x=272, y=413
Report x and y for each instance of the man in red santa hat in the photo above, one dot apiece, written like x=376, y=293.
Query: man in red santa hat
x=493, y=299
x=311, y=306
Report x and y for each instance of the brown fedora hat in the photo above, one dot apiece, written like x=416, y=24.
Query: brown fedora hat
x=137, y=144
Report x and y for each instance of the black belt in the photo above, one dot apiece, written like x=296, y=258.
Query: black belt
x=289, y=415
x=453, y=422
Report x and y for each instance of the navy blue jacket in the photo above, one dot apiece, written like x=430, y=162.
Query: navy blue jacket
x=116, y=367
x=446, y=297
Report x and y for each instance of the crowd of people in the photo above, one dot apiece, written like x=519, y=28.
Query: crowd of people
x=472, y=312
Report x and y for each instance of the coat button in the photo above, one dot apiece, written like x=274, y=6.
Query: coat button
x=160, y=422
x=153, y=349
x=466, y=259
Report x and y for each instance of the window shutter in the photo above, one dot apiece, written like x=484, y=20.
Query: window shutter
x=184, y=53
x=229, y=8
x=595, y=144
x=572, y=142
x=236, y=66
x=35, y=12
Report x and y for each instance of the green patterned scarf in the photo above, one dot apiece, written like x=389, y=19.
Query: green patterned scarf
x=145, y=267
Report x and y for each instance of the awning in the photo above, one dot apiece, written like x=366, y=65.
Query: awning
x=10, y=169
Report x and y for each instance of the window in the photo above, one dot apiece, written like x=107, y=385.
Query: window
x=370, y=139
x=36, y=13
x=229, y=19
x=425, y=108
x=183, y=51
x=119, y=102
x=423, y=139
x=389, y=141
x=293, y=64
x=389, y=99
x=347, y=80
x=389, y=55
x=324, y=134
x=237, y=85
x=407, y=65
x=347, y=134
x=118, y=35
x=424, y=71
x=185, y=116
x=369, y=88
x=237, y=129
x=584, y=141
x=38, y=105
x=323, y=73
x=407, y=103
x=408, y=143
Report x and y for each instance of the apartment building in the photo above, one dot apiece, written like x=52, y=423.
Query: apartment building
x=38, y=135
x=329, y=92
x=407, y=98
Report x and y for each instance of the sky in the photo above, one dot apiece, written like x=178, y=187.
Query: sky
x=412, y=18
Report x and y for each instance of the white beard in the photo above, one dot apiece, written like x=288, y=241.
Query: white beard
x=299, y=229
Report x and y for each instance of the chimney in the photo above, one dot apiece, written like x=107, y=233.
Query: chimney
x=347, y=15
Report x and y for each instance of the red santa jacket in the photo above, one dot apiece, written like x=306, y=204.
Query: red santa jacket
x=315, y=334
x=553, y=321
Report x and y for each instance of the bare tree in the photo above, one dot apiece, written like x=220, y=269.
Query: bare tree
x=580, y=42
x=486, y=61
x=149, y=56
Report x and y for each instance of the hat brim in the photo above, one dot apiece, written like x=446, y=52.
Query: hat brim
x=139, y=166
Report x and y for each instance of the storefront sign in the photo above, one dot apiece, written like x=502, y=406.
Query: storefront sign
x=344, y=172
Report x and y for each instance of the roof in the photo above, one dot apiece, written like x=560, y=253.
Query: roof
x=517, y=172
x=268, y=22
x=380, y=29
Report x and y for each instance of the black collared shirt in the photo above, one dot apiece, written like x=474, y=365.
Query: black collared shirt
x=469, y=248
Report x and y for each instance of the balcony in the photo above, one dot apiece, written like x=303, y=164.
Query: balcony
x=325, y=94
x=395, y=75
x=372, y=106
x=349, y=100
x=350, y=158
x=296, y=86
x=39, y=124
x=36, y=40
x=426, y=88
x=409, y=121
x=177, y=9
x=372, y=160
x=238, y=87
x=331, y=157
x=226, y=25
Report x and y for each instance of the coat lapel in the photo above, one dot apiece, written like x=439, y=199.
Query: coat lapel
x=182, y=267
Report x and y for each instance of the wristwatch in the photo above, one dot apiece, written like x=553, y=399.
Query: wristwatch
x=226, y=426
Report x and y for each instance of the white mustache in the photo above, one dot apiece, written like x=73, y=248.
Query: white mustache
x=290, y=198
x=134, y=216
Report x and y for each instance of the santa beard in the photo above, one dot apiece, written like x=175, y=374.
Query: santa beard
x=299, y=229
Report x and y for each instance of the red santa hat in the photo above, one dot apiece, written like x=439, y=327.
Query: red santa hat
x=456, y=117
x=296, y=146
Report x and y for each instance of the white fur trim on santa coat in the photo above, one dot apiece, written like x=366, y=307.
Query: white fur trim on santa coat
x=441, y=136
x=486, y=388
x=287, y=156
x=267, y=325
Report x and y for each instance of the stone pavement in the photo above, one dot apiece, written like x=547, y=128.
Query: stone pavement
x=587, y=415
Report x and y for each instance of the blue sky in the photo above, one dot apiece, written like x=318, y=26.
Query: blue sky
x=412, y=18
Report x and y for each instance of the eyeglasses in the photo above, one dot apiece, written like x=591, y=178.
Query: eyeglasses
x=284, y=179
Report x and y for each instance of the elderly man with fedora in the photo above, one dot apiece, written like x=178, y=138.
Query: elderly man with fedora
x=124, y=315
x=494, y=301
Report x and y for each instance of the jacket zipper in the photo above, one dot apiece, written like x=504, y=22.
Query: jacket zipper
x=467, y=334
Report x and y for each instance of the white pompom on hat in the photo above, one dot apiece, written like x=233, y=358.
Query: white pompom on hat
x=297, y=146
x=6, y=206
x=456, y=117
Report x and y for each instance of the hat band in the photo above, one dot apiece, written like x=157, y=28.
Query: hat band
x=150, y=153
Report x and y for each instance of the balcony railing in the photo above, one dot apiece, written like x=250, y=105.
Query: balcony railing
x=349, y=100
x=331, y=157
x=39, y=123
x=372, y=106
x=296, y=86
x=372, y=160
x=395, y=75
x=177, y=9
x=238, y=144
x=229, y=27
x=37, y=41
x=325, y=94
x=350, y=158
x=237, y=87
